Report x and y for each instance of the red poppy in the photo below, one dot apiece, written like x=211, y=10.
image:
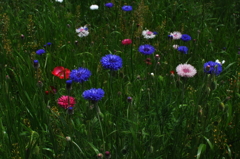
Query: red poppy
x=126, y=41
x=61, y=72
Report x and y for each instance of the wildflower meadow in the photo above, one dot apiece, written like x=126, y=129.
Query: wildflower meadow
x=143, y=79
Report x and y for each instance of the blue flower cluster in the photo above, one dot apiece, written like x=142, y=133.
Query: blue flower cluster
x=80, y=75
x=183, y=49
x=40, y=51
x=127, y=8
x=146, y=49
x=47, y=44
x=112, y=62
x=94, y=94
x=211, y=67
x=109, y=5
x=186, y=37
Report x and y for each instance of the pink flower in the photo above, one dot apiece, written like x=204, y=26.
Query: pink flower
x=126, y=41
x=66, y=101
x=148, y=34
x=186, y=70
x=176, y=35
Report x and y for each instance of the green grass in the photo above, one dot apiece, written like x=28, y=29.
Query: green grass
x=169, y=117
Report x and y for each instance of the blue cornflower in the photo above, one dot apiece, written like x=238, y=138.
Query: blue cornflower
x=211, y=67
x=112, y=62
x=80, y=75
x=48, y=43
x=146, y=49
x=94, y=94
x=127, y=8
x=109, y=5
x=40, y=51
x=186, y=37
x=183, y=49
x=155, y=33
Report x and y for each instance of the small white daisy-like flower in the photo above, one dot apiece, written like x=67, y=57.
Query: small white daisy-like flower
x=82, y=31
x=94, y=7
x=148, y=34
x=176, y=35
x=152, y=74
x=175, y=46
x=59, y=1
x=221, y=63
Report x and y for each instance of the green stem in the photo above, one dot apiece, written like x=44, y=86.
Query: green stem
x=98, y=112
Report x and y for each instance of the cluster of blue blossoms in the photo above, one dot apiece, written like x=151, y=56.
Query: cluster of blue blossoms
x=213, y=68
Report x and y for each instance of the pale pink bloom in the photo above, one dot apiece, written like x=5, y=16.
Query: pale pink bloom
x=66, y=101
x=175, y=46
x=148, y=34
x=82, y=31
x=186, y=70
x=176, y=35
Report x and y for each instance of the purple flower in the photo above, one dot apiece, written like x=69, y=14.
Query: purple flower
x=146, y=49
x=94, y=94
x=185, y=37
x=112, y=62
x=80, y=75
x=183, y=49
x=211, y=67
x=127, y=8
x=109, y=5
x=40, y=51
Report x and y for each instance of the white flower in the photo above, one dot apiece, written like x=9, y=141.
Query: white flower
x=175, y=46
x=82, y=31
x=223, y=61
x=176, y=35
x=148, y=34
x=94, y=7
x=59, y=1
x=152, y=74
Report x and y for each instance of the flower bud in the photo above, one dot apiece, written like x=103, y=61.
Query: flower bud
x=69, y=84
x=129, y=99
x=107, y=155
x=36, y=64
x=68, y=138
x=100, y=156
x=70, y=111
x=175, y=46
x=157, y=57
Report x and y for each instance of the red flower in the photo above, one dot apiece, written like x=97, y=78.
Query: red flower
x=126, y=41
x=66, y=101
x=61, y=72
x=148, y=61
x=172, y=73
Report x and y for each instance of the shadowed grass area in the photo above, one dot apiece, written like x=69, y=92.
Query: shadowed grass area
x=167, y=116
